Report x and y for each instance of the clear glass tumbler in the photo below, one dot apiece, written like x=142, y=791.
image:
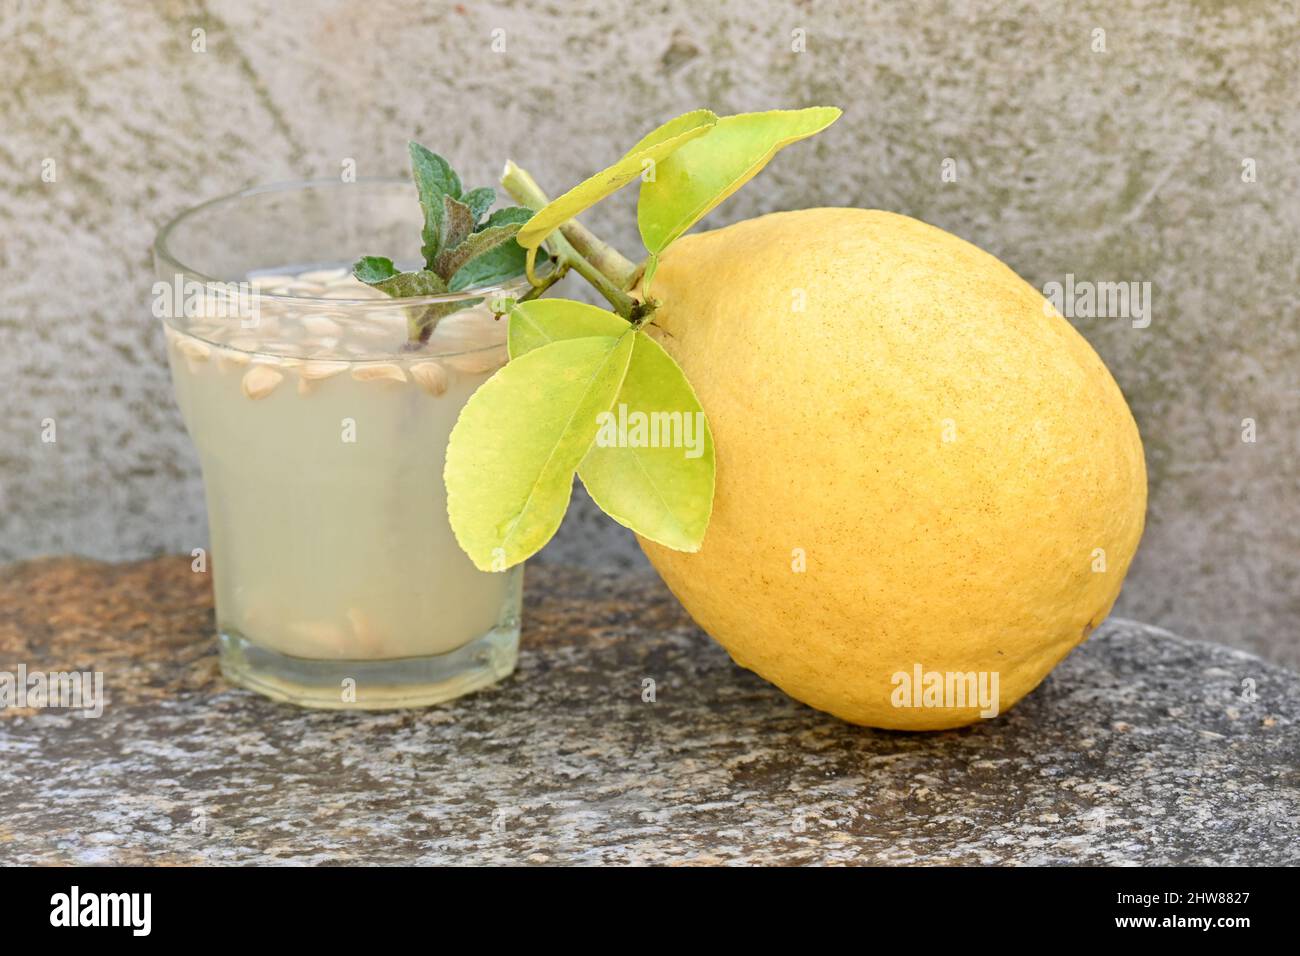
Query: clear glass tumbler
x=322, y=433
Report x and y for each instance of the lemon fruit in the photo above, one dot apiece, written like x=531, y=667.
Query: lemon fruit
x=921, y=468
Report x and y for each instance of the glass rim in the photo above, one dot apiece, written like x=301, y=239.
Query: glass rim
x=164, y=255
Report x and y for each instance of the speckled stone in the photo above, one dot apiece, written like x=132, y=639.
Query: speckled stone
x=1142, y=747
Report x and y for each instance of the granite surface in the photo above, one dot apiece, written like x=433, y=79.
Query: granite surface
x=1143, y=747
x=1108, y=140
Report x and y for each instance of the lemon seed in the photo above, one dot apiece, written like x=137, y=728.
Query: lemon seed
x=260, y=381
x=381, y=372
x=431, y=376
x=315, y=371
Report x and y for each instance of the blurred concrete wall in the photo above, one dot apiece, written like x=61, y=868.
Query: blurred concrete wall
x=1138, y=140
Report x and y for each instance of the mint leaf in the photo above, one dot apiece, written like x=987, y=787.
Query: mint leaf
x=434, y=179
x=406, y=284
x=432, y=171
x=501, y=263
x=460, y=252
x=494, y=267
x=457, y=224
x=374, y=269
x=540, y=322
x=479, y=200
x=503, y=217
x=652, y=467
x=451, y=259
x=514, y=449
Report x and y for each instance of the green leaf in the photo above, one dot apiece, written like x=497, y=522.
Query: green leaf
x=460, y=252
x=494, y=267
x=450, y=260
x=406, y=284
x=540, y=322
x=457, y=224
x=653, y=148
x=700, y=175
x=647, y=277
x=479, y=200
x=503, y=217
x=374, y=269
x=434, y=179
x=500, y=264
x=663, y=493
x=518, y=440
x=432, y=171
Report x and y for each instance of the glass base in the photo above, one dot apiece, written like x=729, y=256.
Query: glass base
x=370, y=685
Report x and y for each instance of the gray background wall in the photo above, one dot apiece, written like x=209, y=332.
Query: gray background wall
x=1117, y=165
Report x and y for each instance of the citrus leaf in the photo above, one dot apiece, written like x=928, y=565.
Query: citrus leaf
x=434, y=179
x=648, y=276
x=540, y=322
x=518, y=440
x=700, y=175
x=653, y=148
x=651, y=467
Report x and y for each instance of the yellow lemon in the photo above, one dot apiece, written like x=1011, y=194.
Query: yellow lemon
x=929, y=486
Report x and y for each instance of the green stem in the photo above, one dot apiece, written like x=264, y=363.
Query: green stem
x=554, y=276
x=591, y=257
x=611, y=263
